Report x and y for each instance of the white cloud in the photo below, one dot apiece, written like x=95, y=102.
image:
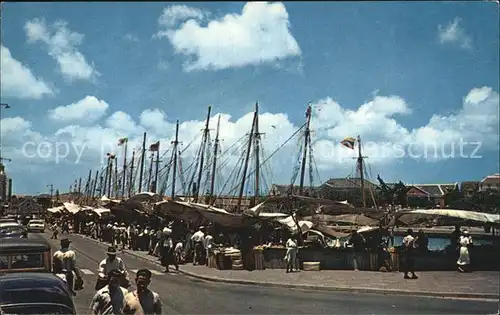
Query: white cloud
x=90, y=109
x=62, y=45
x=18, y=80
x=174, y=14
x=260, y=34
x=131, y=37
x=453, y=32
x=385, y=139
x=15, y=124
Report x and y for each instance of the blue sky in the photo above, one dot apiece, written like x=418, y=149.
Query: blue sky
x=381, y=70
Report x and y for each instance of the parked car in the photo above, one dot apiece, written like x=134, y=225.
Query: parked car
x=25, y=255
x=12, y=232
x=35, y=293
x=10, y=229
x=36, y=225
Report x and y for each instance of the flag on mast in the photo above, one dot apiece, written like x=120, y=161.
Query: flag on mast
x=122, y=141
x=155, y=146
x=349, y=142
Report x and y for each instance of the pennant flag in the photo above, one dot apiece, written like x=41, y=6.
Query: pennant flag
x=155, y=146
x=349, y=142
x=122, y=141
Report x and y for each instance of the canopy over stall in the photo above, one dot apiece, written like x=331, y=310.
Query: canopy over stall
x=350, y=219
x=72, y=207
x=56, y=209
x=197, y=212
x=445, y=217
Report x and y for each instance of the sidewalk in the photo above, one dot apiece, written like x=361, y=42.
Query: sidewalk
x=478, y=285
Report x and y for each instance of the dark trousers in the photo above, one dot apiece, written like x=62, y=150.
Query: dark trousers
x=409, y=265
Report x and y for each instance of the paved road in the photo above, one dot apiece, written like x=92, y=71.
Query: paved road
x=184, y=295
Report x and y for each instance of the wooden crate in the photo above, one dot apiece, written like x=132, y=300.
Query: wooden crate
x=311, y=266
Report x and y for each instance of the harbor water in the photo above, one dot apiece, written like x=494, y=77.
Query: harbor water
x=440, y=243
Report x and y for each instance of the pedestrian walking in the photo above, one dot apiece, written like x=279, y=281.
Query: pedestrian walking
x=142, y=301
x=198, y=240
x=291, y=254
x=64, y=262
x=463, y=261
x=111, y=298
x=167, y=251
x=409, y=266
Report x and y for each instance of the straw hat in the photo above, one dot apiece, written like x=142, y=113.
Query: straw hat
x=167, y=231
x=111, y=250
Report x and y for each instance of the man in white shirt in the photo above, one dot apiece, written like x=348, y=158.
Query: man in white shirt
x=112, y=263
x=198, y=240
x=110, y=299
x=209, y=245
x=64, y=262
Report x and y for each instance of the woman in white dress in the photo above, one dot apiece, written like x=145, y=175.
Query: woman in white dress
x=463, y=261
x=291, y=254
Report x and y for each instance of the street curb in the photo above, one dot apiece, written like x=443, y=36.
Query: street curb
x=483, y=296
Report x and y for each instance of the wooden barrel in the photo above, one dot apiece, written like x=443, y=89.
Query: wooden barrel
x=212, y=261
x=374, y=261
x=259, y=259
x=394, y=261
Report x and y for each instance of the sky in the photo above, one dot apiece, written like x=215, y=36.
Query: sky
x=417, y=81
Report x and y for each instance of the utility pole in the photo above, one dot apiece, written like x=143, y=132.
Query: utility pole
x=51, y=194
x=6, y=106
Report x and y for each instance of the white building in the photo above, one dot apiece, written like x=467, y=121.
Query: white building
x=491, y=182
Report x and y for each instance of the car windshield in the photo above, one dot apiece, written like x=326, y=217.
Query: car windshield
x=4, y=262
x=22, y=261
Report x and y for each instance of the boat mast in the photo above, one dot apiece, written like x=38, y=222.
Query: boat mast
x=256, y=148
x=247, y=158
x=92, y=195
x=307, y=136
x=131, y=178
x=150, y=174
x=88, y=185
x=202, y=156
x=124, y=181
x=175, y=143
x=361, y=172
x=143, y=155
x=214, y=164
x=101, y=188
x=155, y=187
x=115, y=182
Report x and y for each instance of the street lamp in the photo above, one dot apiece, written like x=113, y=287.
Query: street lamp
x=6, y=106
